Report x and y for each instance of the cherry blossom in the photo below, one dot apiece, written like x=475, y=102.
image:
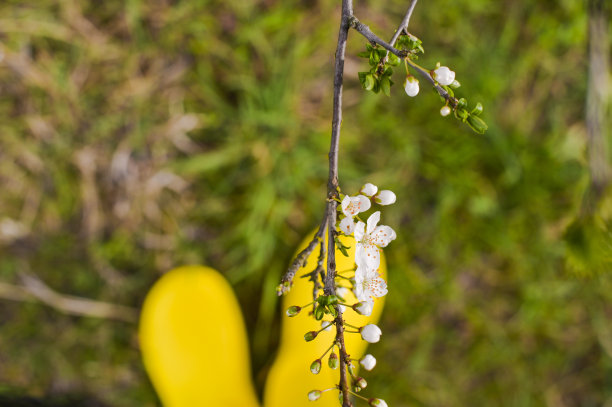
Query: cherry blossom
x=411, y=86
x=368, y=284
x=444, y=76
x=370, y=239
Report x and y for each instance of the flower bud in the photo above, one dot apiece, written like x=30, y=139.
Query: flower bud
x=315, y=367
x=377, y=403
x=356, y=388
x=445, y=111
x=411, y=86
x=326, y=326
x=361, y=382
x=351, y=368
x=444, y=76
x=314, y=395
x=364, y=308
x=293, y=310
x=369, y=189
x=333, y=361
x=370, y=333
x=368, y=362
x=385, y=197
x=310, y=335
x=347, y=226
x=342, y=291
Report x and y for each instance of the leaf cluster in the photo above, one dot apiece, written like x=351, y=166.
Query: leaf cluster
x=378, y=78
x=470, y=117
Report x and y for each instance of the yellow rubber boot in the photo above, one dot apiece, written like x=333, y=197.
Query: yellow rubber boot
x=290, y=379
x=194, y=342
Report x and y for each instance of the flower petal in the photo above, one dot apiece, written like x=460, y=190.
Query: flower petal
x=364, y=203
x=347, y=225
x=372, y=256
x=382, y=236
x=373, y=221
x=359, y=231
x=345, y=203
x=369, y=189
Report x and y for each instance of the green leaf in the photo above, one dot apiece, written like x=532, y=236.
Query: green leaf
x=385, y=85
x=394, y=60
x=374, y=58
x=369, y=82
x=362, y=78
x=364, y=54
x=369, y=47
x=376, y=88
x=477, y=110
x=477, y=124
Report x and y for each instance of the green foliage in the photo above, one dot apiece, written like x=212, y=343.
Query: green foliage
x=142, y=135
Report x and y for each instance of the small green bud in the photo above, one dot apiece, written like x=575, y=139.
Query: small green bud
x=462, y=103
x=333, y=361
x=310, y=335
x=477, y=110
x=456, y=84
x=356, y=388
x=314, y=395
x=361, y=382
x=351, y=368
x=293, y=310
x=315, y=367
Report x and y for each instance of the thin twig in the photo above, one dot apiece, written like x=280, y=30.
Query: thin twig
x=300, y=259
x=33, y=289
x=404, y=24
x=333, y=190
x=374, y=39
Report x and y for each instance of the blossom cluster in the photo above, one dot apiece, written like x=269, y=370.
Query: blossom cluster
x=370, y=239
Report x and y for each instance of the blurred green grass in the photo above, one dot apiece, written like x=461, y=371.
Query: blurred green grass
x=142, y=135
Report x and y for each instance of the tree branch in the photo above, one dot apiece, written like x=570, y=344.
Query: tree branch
x=300, y=259
x=597, y=102
x=374, y=39
x=333, y=190
x=404, y=24
x=34, y=289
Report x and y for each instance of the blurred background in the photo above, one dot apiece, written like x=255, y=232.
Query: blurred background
x=136, y=136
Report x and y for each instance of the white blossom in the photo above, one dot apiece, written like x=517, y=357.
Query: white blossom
x=368, y=362
x=314, y=395
x=347, y=225
x=444, y=75
x=370, y=239
x=385, y=197
x=378, y=403
x=368, y=284
x=341, y=291
x=371, y=333
x=369, y=189
x=352, y=205
x=364, y=307
x=445, y=111
x=411, y=86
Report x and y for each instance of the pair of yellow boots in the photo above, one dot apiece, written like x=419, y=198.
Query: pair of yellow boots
x=195, y=348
